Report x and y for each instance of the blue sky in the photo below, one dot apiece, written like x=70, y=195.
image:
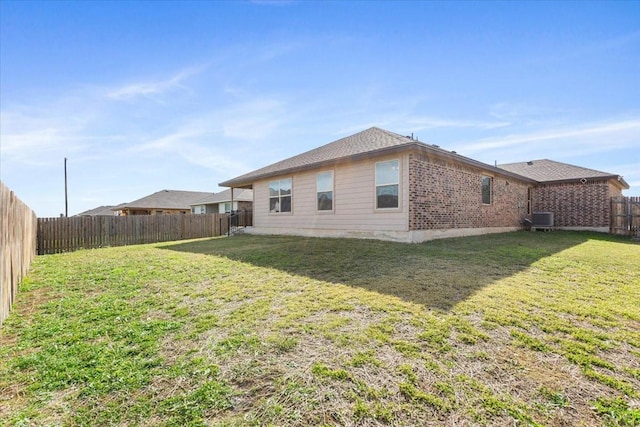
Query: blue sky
x=144, y=96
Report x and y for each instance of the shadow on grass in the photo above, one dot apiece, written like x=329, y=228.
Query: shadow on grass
x=436, y=274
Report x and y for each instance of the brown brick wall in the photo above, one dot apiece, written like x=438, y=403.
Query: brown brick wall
x=576, y=204
x=445, y=195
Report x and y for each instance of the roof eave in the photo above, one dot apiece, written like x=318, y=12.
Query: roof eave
x=474, y=163
x=415, y=145
x=616, y=178
x=150, y=207
x=248, y=182
x=216, y=202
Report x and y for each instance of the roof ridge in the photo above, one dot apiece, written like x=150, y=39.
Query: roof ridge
x=526, y=161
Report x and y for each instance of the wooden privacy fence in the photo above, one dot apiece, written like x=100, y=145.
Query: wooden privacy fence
x=625, y=216
x=17, y=246
x=57, y=235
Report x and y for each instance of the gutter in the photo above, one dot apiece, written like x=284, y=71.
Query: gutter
x=617, y=178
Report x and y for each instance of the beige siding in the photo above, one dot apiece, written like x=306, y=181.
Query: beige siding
x=353, y=198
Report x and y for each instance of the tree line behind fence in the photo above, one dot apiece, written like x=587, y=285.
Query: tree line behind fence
x=17, y=246
x=57, y=235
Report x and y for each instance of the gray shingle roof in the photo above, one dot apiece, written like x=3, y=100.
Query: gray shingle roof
x=167, y=199
x=99, y=211
x=368, y=141
x=376, y=141
x=239, y=194
x=545, y=170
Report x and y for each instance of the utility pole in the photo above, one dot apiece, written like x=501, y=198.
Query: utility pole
x=66, y=202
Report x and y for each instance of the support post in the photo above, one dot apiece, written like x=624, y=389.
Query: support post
x=66, y=200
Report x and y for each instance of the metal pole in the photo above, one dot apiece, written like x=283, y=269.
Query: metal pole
x=66, y=200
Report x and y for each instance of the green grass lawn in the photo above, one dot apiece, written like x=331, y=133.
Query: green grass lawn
x=508, y=329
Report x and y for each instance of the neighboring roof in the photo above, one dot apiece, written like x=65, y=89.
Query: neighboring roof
x=99, y=211
x=545, y=170
x=371, y=141
x=239, y=194
x=166, y=199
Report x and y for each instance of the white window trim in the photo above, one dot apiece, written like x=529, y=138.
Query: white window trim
x=375, y=187
x=491, y=179
x=333, y=193
x=290, y=212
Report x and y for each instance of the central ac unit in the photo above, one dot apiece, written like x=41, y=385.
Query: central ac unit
x=542, y=219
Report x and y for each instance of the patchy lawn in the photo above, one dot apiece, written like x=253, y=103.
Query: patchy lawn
x=509, y=329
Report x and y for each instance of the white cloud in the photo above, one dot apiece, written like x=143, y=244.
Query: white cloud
x=424, y=123
x=573, y=52
x=211, y=140
x=630, y=172
x=524, y=113
x=35, y=139
x=405, y=121
x=253, y=120
x=590, y=138
x=154, y=89
x=608, y=45
x=197, y=147
x=276, y=50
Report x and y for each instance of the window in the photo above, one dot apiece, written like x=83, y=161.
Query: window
x=529, y=201
x=387, y=180
x=487, y=183
x=227, y=207
x=280, y=196
x=324, y=190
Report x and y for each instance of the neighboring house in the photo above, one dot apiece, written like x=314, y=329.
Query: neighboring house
x=161, y=203
x=378, y=184
x=99, y=211
x=579, y=198
x=224, y=202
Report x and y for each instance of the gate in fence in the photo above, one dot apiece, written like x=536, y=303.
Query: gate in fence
x=625, y=216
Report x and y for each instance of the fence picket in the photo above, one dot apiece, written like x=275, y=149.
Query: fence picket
x=625, y=216
x=57, y=235
x=18, y=230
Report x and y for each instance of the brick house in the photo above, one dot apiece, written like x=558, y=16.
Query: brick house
x=378, y=184
x=580, y=198
x=162, y=202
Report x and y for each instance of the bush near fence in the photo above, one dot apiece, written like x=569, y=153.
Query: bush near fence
x=17, y=246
